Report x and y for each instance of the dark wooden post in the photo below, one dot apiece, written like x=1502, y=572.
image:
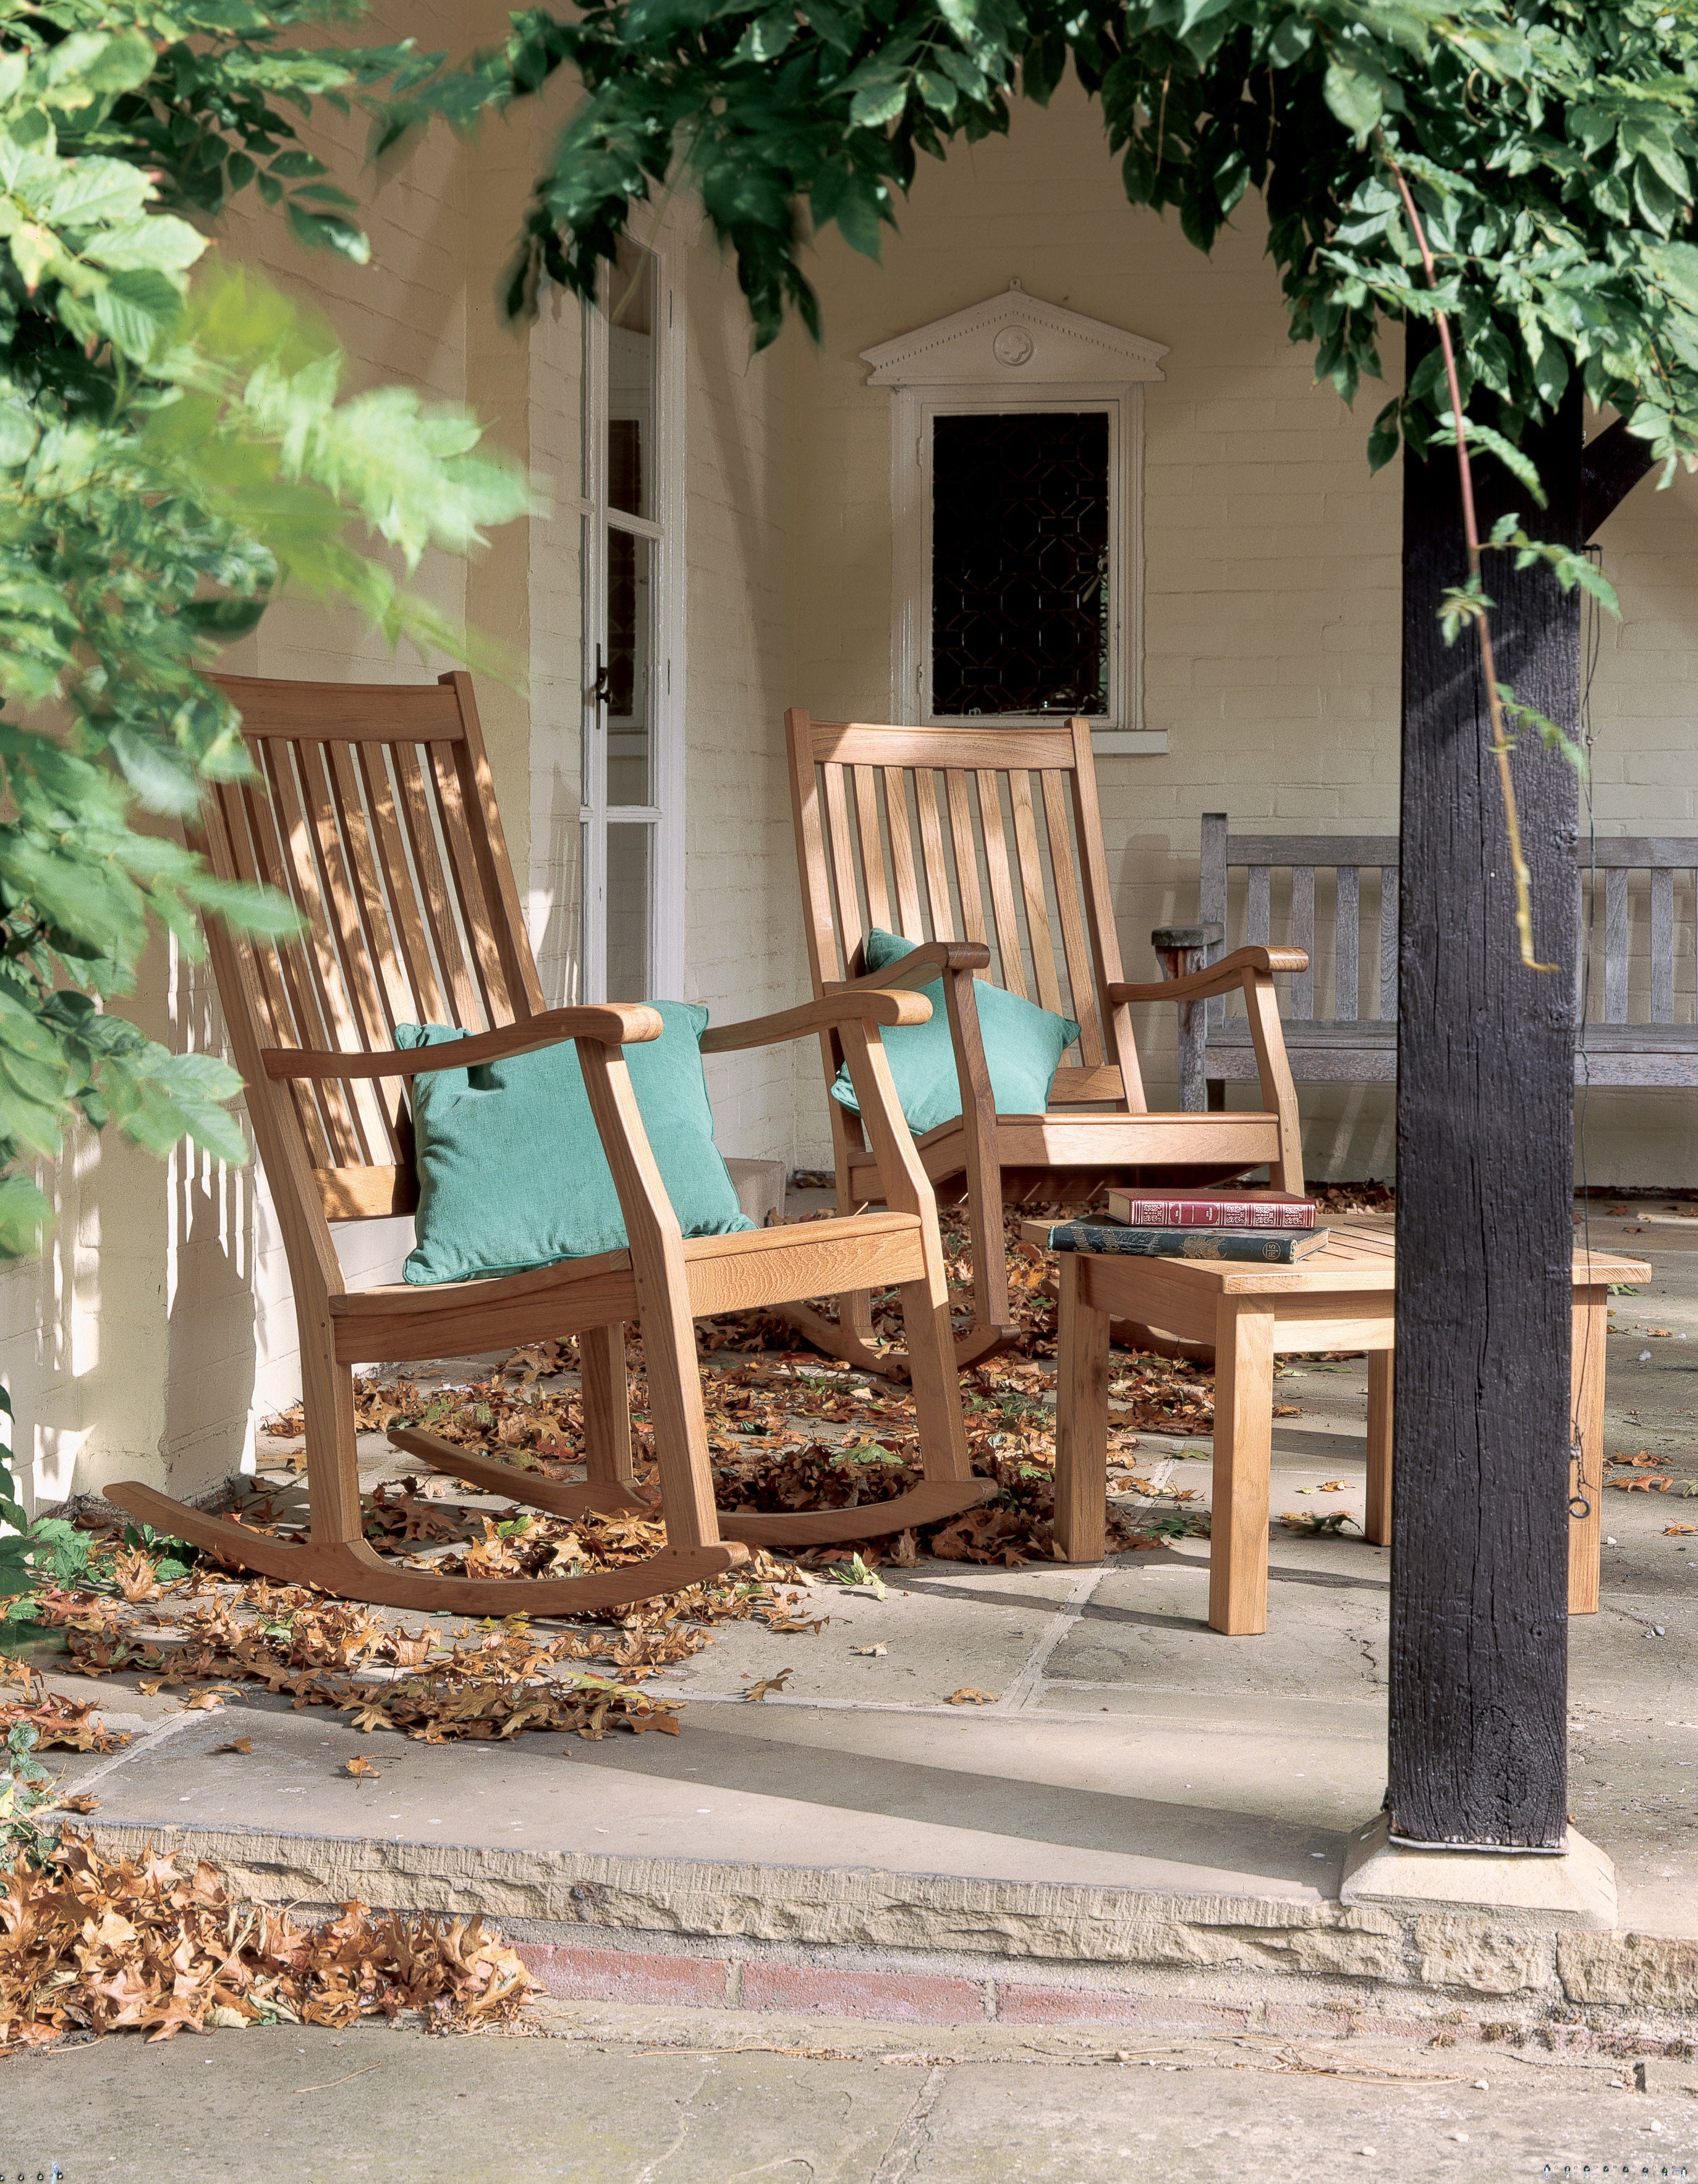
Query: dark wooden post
x=1478, y=1665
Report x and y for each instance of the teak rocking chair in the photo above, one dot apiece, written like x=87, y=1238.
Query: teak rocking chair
x=911, y=830
x=376, y=814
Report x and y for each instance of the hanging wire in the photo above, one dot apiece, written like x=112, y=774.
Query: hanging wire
x=1591, y=647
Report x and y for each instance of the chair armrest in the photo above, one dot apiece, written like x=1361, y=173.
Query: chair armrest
x=1218, y=978
x=847, y=1006
x=614, y=1024
x=935, y=955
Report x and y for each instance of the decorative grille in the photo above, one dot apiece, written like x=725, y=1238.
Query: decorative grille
x=1020, y=563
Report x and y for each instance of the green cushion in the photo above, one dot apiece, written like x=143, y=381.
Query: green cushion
x=1023, y=1046
x=511, y=1172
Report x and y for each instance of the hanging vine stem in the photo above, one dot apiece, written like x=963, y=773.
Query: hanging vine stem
x=1501, y=744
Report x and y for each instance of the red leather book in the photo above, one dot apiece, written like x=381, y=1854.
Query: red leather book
x=1241, y=1209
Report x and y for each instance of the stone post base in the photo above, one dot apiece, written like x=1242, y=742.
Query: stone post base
x=1574, y=1888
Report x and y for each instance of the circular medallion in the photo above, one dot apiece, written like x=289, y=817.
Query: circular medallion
x=1013, y=345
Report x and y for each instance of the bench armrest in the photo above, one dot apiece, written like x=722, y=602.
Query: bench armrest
x=614, y=1024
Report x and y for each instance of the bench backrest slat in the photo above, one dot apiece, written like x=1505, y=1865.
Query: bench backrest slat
x=1303, y=937
x=1661, y=945
x=1618, y=937
x=1346, y=972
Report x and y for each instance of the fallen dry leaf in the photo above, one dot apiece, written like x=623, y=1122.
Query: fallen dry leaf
x=869, y=1649
x=1671, y=1531
x=967, y=1696
x=362, y=1768
x=82, y=1802
x=205, y=1701
x=1333, y=1486
x=243, y=1744
x=769, y=1684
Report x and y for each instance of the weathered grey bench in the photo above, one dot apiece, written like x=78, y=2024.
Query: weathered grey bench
x=1638, y=908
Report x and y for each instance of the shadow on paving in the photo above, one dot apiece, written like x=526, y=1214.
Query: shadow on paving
x=1230, y=1841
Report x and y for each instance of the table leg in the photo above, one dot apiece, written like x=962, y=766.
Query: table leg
x=1082, y=1419
x=1377, y=1527
x=1586, y=1483
x=1244, y=1448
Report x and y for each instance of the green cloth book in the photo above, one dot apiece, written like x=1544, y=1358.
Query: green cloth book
x=1268, y=1248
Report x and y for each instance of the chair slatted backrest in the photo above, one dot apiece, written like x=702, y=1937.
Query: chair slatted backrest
x=375, y=813
x=987, y=835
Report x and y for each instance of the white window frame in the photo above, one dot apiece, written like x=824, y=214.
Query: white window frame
x=1013, y=352
x=664, y=814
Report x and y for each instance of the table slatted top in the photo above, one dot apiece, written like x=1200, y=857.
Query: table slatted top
x=1358, y=1255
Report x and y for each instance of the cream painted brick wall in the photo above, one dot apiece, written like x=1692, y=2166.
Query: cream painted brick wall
x=744, y=938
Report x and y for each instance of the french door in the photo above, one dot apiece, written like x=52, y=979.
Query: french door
x=633, y=750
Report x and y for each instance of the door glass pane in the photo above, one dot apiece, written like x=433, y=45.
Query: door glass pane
x=631, y=360
x=630, y=664
x=1020, y=563
x=627, y=913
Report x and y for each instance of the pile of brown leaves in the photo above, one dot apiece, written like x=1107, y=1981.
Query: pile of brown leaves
x=60, y=1724
x=491, y=1683
x=88, y=1942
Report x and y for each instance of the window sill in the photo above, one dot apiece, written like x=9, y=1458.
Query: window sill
x=1128, y=743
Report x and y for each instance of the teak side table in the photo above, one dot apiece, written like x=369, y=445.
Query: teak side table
x=1340, y=1298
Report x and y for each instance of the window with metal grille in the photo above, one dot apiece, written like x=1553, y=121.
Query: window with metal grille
x=1021, y=605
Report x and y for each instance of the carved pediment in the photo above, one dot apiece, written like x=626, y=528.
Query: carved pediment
x=1013, y=339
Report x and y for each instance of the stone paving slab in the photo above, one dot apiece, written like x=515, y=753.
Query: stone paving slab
x=636, y=2096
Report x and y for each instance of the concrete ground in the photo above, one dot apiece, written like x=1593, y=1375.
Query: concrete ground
x=633, y=2096
x=1119, y=1742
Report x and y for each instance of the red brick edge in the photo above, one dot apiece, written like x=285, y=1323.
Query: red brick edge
x=923, y=1997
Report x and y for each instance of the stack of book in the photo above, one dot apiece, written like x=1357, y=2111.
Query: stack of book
x=1268, y=1226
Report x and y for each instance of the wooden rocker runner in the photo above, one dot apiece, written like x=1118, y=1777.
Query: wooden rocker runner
x=913, y=831
x=375, y=812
